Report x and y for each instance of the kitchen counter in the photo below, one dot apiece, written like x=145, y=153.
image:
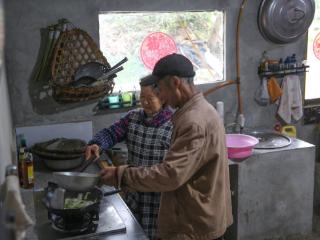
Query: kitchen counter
x=272, y=195
x=35, y=208
x=273, y=192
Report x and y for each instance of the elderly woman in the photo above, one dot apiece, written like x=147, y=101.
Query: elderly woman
x=147, y=132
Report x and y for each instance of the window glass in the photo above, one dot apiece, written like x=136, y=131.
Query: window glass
x=144, y=37
x=312, y=85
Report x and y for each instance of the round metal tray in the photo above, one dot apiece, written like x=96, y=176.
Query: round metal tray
x=283, y=21
x=270, y=140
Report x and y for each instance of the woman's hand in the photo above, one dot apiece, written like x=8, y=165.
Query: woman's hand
x=93, y=149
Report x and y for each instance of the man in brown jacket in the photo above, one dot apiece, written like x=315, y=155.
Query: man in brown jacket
x=194, y=176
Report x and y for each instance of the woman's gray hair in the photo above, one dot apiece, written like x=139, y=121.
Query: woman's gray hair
x=149, y=80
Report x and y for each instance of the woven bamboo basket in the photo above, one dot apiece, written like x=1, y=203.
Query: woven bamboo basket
x=74, y=48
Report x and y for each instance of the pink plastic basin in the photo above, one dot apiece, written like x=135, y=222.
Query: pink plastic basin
x=240, y=145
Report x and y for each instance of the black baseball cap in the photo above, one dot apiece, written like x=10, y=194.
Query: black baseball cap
x=175, y=65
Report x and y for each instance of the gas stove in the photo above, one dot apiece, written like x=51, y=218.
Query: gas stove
x=106, y=222
x=86, y=223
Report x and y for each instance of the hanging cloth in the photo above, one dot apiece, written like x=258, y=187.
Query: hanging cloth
x=291, y=101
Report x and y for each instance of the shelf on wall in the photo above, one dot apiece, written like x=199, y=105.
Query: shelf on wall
x=283, y=72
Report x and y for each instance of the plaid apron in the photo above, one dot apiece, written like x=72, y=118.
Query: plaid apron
x=147, y=142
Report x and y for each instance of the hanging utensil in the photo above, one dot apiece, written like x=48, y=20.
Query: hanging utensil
x=283, y=21
x=90, y=81
x=95, y=70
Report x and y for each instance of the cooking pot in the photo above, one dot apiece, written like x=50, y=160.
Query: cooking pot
x=284, y=21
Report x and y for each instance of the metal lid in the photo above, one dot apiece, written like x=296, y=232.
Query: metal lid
x=283, y=21
x=270, y=140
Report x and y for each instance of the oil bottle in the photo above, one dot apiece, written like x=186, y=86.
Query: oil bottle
x=29, y=172
x=22, y=166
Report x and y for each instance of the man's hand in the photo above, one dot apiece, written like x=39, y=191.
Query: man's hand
x=109, y=176
x=93, y=149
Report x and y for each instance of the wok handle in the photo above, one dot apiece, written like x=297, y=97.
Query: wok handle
x=109, y=74
x=118, y=64
x=111, y=192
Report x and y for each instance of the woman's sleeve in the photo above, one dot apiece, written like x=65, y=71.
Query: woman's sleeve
x=108, y=137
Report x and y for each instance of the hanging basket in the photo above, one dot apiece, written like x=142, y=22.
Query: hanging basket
x=75, y=48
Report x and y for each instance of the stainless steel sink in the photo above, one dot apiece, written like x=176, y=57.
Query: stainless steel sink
x=270, y=140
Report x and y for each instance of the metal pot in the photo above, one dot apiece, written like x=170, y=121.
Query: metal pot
x=284, y=21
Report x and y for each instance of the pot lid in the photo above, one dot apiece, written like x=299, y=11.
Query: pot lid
x=270, y=140
x=61, y=146
x=284, y=21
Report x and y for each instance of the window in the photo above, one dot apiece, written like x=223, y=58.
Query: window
x=312, y=94
x=144, y=37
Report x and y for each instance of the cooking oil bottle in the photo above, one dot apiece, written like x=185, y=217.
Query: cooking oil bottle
x=29, y=173
x=21, y=166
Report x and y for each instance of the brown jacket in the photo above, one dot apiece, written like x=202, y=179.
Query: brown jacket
x=193, y=179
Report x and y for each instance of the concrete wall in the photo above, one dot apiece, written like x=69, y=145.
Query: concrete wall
x=6, y=141
x=25, y=18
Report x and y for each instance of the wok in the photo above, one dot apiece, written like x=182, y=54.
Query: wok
x=96, y=70
x=94, y=195
x=76, y=181
x=79, y=181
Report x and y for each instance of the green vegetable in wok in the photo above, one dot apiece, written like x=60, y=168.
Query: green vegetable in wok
x=79, y=202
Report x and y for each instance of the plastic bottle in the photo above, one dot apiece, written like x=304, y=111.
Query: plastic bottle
x=264, y=62
x=286, y=63
x=281, y=66
x=294, y=61
x=289, y=130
